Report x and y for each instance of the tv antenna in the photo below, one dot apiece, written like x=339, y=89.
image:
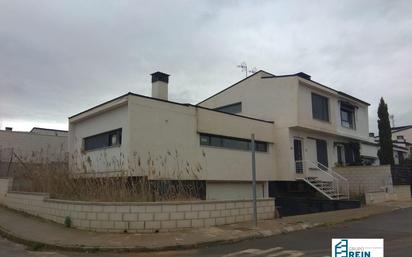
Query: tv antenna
x=244, y=68
x=392, y=117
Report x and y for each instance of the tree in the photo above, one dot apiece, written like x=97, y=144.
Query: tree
x=385, y=152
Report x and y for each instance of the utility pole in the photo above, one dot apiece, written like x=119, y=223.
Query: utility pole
x=254, y=181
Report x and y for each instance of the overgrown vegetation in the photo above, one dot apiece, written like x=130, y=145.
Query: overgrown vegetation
x=120, y=186
x=385, y=152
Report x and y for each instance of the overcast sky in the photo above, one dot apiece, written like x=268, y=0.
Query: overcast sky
x=58, y=58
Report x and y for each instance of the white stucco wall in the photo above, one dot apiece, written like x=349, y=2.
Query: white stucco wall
x=169, y=137
x=102, y=160
x=161, y=140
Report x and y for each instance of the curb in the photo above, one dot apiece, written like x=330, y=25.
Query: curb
x=252, y=235
x=80, y=248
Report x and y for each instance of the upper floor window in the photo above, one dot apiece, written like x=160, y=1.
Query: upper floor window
x=400, y=137
x=231, y=108
x=231, y=143
x=347, y=115
x=103, y=140
x=320, y=107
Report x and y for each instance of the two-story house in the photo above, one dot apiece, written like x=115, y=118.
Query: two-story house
x=303, y=129
x=315, y=125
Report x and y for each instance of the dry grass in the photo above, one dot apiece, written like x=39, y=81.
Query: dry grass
x=55, y=179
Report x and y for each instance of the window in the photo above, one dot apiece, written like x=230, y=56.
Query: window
x=400, y=137
x=347, y=115
x=103, y=140
x=320, y=107
x=231, y=143
x=231, y=108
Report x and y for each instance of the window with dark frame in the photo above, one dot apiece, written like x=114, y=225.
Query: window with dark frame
x=231, y=143
x=231, y=108
x=103, y=140
x=347, y=115
x=400, y=137
x=320, y=107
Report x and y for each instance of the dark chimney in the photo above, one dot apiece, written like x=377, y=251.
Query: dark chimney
x=160, y=76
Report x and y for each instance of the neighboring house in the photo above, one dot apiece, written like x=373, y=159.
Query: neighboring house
x=39, y=146
x=49, y=132
x=402, y=137
x=303, y=129
x=402, y=143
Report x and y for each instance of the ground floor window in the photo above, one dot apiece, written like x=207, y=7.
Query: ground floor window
x=103, y=140
x=231, y=142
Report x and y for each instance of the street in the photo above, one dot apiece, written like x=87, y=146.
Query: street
x=395, y=228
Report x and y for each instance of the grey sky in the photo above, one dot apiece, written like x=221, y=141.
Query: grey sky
x=58, y=58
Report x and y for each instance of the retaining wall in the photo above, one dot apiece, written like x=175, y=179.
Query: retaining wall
x=403, y=192
x=138, y=217
x=366, y=179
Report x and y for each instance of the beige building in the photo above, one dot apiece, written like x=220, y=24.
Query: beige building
x=39, y=146
x=303, y=129
x=402, y=140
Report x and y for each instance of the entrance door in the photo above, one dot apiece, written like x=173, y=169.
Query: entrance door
x=298, y=152
x=322, y=152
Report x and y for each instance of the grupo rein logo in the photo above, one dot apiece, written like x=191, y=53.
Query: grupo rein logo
x=357, y=247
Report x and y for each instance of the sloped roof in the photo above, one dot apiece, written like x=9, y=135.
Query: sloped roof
x=301, y=75
x=397, y=129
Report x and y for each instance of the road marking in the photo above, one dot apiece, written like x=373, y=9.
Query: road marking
x=272, y=252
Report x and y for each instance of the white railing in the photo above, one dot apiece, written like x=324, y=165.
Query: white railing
x=322, y=174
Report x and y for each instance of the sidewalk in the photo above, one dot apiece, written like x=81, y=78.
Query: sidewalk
x=34, y=231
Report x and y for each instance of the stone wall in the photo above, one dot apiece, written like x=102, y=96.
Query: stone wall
x=139, y=217
x=367, y=179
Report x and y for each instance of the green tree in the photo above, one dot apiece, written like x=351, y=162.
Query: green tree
x=385, y=152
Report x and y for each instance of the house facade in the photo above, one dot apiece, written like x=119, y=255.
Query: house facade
x=303, y=129
x=313, y=123
x=162, y=140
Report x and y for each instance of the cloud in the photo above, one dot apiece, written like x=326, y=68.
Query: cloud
x=58, y=58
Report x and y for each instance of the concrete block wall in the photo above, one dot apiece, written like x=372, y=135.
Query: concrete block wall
x=366, y=179
x=139, y=217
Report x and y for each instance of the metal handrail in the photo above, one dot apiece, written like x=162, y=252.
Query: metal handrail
x=329, y=172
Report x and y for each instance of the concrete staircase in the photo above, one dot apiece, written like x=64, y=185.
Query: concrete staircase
x=325, y=180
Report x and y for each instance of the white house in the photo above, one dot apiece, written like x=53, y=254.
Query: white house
x=164, y=140
x=402, y=143
x=303, y=129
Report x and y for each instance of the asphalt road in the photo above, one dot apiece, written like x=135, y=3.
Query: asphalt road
x=395, y=228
